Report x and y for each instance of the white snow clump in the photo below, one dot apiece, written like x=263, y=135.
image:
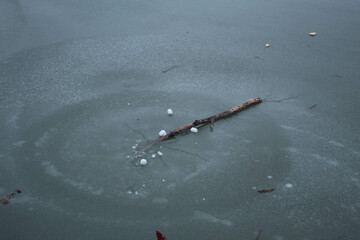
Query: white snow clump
x=143, y=162
x=194, y=130
x=170, y=111
x=162, y=133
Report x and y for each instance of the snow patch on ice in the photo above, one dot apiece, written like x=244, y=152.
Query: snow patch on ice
x=277, y=237
x=160, y=200
x=291, y=128
x=83, y=186
x=40, y=142
x=194, y=174
x=19, y=144
x=328, y=161
x=51, y=170
x=292, y=149
x=289, y=185
x=335, y=143
x=210, y=218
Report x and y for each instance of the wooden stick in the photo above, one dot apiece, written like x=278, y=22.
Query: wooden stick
x=210, y=120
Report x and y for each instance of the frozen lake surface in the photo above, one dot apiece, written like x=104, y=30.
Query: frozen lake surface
x=85, y=85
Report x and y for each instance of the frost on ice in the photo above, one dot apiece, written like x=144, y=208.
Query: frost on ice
x=162, y=133
x=194, y=130
x=170, y=111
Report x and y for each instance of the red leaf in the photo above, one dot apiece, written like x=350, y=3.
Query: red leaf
x=160, y=236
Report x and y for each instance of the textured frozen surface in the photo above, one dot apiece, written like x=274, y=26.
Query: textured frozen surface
x=85, y=86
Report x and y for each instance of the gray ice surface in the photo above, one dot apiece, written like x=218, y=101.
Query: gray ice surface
x=85, y=85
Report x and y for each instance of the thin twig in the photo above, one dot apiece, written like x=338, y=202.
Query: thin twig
x=204, y=121
x=266, y=190
x=313, y=106
x=170, y=68
x=258, y=236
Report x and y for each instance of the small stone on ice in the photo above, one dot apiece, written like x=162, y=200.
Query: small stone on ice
x=153, y=155
x=160, y=153
x=170, y=111
x=143, y=162
x=194, y=130
x=162, y=133
x=289, y=185
x=312, y=34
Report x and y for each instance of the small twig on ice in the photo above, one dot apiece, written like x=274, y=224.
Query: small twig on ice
x=160, y=236
x=266, y=190
x=313, y=106
x=170, y=68
x=258, y=236
x=204, y=121
x=6, y=201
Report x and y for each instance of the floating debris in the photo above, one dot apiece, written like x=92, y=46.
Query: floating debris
x=312, y=34
x=266, y=190
x=143, y=162
x=162, y=133
x=267, y=45
x=170, y=111
x=194, y=130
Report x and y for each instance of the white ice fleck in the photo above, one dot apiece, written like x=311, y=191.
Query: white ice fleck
x=254, y=188
x=153, y=155
x=143, y=162
x=170, y=111
x=203, y=199
x=210, y=218
x=194, y=130
x=163, y=180
x=40, y=142
x=289, y=185
x=127, y=156
x=135, y=146
x=335, y=143
x=162, y=133
x=160, y=200
x=19, y=144
x=51, y=170
x=160, y=153
x=128, y=104
x=269, y=177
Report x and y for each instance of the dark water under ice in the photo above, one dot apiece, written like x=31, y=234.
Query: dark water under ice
x=86, y=84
